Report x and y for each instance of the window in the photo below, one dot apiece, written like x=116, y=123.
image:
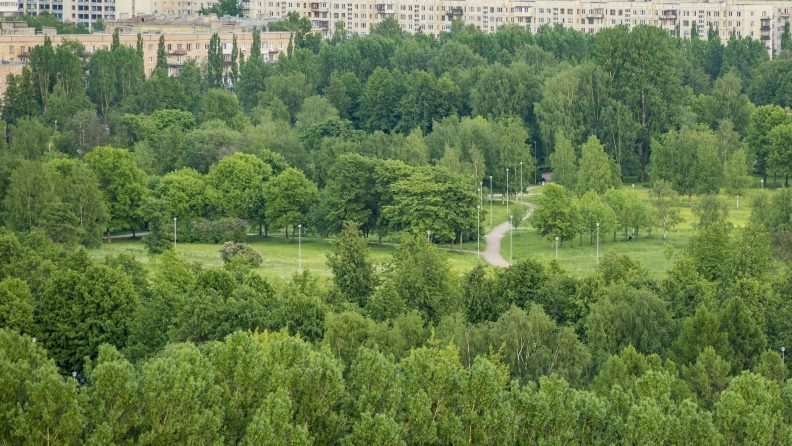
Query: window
x=151, y=59
x=11, y=50
x=169, y=47
x=189, y=46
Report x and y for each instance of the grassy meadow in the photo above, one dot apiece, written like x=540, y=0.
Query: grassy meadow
x=281, y=256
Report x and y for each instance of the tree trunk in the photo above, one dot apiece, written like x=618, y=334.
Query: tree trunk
x=664, y=234
x=261, y=227
x=108, y=236
x=738, y=201
x=460, y=241
x=287, y=233
x=774, y=179
x=379, y=237
x=133, y=234
x=581, y=238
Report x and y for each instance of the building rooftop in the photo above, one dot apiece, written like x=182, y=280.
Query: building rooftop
x=156, y=23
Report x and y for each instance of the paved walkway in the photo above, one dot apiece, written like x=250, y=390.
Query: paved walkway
x=492, y=254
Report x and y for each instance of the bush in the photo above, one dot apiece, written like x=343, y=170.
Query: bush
x=224, y=230
x=231, y=250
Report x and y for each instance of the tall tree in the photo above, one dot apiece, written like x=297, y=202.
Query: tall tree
x=596, y=171
x=738, y=178
x=162, y=56
x=664, y=213
x=353, y=272
x=289, y=196
x=554, y=215
x=214, y=64
x=378, y=101
x=563, y=161
x=139, y=46
x=763, y=120
x=123, y=185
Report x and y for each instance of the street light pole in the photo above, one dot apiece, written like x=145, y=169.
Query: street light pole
x=478, y=233
x=299, y=247
x=521, y=186
x=174, y=232
x=490, y=200
x=428, y=237
x=511, y=229
x=536, y=163
x=597, y=243
x=556, y=248
x=507, y=190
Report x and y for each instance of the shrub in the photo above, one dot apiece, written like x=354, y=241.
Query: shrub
x=223, y=230
x=231, y=250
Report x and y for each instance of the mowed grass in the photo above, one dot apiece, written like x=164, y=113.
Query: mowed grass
x=281, y=258
x=646, y=248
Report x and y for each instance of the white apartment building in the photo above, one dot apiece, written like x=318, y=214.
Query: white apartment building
x=759, y=19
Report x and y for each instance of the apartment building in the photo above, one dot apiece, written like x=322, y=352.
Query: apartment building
x=181, y=47
x=759, y=19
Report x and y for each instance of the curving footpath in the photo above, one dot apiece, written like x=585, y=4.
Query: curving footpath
x=492, y=254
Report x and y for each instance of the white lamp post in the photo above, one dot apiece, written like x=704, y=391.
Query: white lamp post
x=299, y=248
x=556, y=247
x=490, y=200
x=521, y=186
x=174, y=231
x=511, y=229
x=597, y=243
x=536, y=163
x=478, y=233
x=507, y=190
x=761, y=184
x=428, y=236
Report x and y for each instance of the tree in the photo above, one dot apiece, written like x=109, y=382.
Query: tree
x=30, y=140
x=215, y=64
x=224, y=8
x=102, y=81
x=780, y=157
x=123, y=186
x=162, y=57
x=738, y=179
x=554, y=216
x=377, y=102
x=78, y=188
x=688, y=161
x=139, y=46
x=421, y=276
x=79, y=311
x=234, y=185
x=195, y=409
x=563, y=162
x=42, y=68
x=664, y=213
x=184, y=191
x=31, y=198
x=289, y=197
x=16, y=306
x=431, y=199
x=353, y=272
x=594, y=214
x=596, y=168
x=763, y=120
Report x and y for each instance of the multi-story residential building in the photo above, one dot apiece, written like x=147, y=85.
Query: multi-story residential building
x=759, y=19
x=181, y=47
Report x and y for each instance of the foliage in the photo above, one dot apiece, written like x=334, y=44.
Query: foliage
x=231, y=250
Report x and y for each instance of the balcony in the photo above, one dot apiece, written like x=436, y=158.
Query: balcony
x=177, y=53
x=316, y=8
x=24, y=55
x=765, y=37
x=765, y=28
x=595, y=14
x=669, y=15
x=455, y=11
x=387, y=8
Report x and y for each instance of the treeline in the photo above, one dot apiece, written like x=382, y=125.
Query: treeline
x=175, y=352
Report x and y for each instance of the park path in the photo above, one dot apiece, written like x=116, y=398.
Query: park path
x=492, y=253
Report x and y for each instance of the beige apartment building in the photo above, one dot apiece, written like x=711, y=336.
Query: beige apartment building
x=181, y=47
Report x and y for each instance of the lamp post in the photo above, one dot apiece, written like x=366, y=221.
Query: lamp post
x=597, y=243
x=299, y=248
x=56, y=126
x=633, y=187
x=507, y=190
x=556, y=247
x=511, y=229
x=490, y=200
x=536, y=162
x=761, y=184
x=428, y=236
x=521, y=186
x=478, y=233
x=174, y=231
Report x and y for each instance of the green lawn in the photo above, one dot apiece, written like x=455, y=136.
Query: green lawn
x=647, y=248
x=280, y=257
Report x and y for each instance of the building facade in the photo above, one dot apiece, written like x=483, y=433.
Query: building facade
x=181, y=48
